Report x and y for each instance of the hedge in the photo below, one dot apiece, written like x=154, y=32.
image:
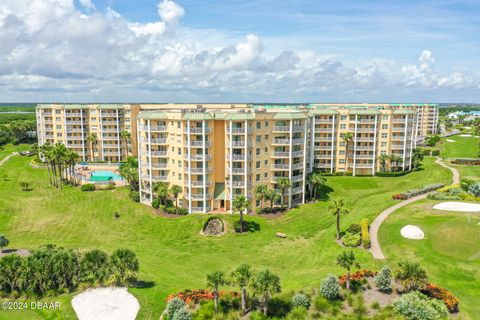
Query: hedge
x=88, y=187
x=466, y=161
x=437, y=292
x=413, y=193
x=391, y=174
x=365, y=234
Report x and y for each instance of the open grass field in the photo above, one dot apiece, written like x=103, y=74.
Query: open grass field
x=463, y=147
x=450, y=251
x=9, y=148
x=9, y=113
x=173, y=256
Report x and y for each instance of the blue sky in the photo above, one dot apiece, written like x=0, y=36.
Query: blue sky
x=264, y=50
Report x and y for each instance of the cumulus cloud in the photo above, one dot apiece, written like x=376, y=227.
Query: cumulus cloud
x=55, y=50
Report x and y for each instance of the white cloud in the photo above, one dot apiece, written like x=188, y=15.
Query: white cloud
x=88, y=4
x=53, y=50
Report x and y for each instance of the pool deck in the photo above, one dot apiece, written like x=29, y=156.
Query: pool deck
x=86, y=171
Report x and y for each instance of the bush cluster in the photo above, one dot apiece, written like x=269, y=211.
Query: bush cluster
x=437, y=292
x=330, y=288
x=467, y=162
x=413, y=193
x=391, y=174
x=354, y=228
x=58, y=270
x=88, y=187
x=357, y=276
x=365, y=234
x=383, y=279
x=300, y=300
x=351, y=239
x=415, y=305
x=134, y=195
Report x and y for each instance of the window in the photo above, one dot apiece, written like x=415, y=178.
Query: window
x=258, y=139
x=266, y=137
x=385, y=117
x=384, y=135
x=173, y=149
x=180, y=177
x=343, y=117
x=266, y=123
x=342, y=143
x=57, y=119
x=94, y=119
x=342, y=161
x=257, y=165
x=266, y=175
x=179, y=151
x=385, y=126
x=257, y=152
x=59, y=134
x=57, y=111
x=266, y=149
x=127, y=119
x=266, y=162
x=384, y=144
x=179, y=124
x=259, y=125
x=59, y=127
x=174, y=174
x=383, y=152
x=257, y=177
x=343, y=126
x=342, y=152
x=179, y=163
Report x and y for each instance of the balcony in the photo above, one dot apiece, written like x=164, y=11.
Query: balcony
x=278, y=141
x=237, y=130
x=72, y=122
x=197, y=196
x=361, y=165
x=198, y=130
x=73, y=115
x=323, y=147
x=297, y=178
x=326, y=130
x=281, y=129
x=297, y=190
x=281, y=154
x=198, y=170
x=240, y=157
x=159, y=178
x=75, y=130
x=201, y=209
x=159, y=166
x=323, y=156
x=240, y=171
x=110, y=153
x=324, y=139
x=365, y=139
x=240, y=143
x=361, y=148
x=240, y=184
x=110, y=138
x=280, y=166
x=364, y=156
x=48, y=136
x=198, y=144
x=111, y=145
x=366, y=130
x=365, y=121
x=48, y=122
x=327, y=121
x=110, y=130
x=158, y=141
x=296, y=154
x=297, y=166
x=159, y=154
x=198, y=157
x=197, y=183
x=109, y=122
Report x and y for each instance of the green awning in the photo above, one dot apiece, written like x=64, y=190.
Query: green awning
x=100, y=178
x=219, y=193
x=197, y=116
x=152, y=115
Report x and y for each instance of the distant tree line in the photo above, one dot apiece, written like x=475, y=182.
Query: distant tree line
x=20, y=131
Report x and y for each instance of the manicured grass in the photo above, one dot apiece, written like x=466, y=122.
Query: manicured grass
x=463, y=147
x=9, y=148
x=468, y=171
x=173, y=256
x=450, y=251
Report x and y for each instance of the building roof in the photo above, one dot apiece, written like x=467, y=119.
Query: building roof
x=326, y=111
x=289, y=115
x=403, y=111
x=239, y=116
x=364, y=112
x=111, y=106
x=152, y=115
x=197, y=116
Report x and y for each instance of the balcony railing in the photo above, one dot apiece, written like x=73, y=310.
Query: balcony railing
x=282, y=154
x=110, y=138
x=280, y=166
x=240, y=157
x=160, y=166
x=281, y=141
x=237, y=130
x=73, y=115
x=72, y=122
x=198, y=157
x=159, y=178
x=240, y=144
x=198, y=144
x=281, y=128
x=198, y=170
x=196, y=183
x=197, y=196
x=201, y=209
x=239, y=170
x=198, y=130
x=297, y=154
x=159, y=153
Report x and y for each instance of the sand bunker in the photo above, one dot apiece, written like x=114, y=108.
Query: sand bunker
x=412, y=232
x=458, y=206
x=106, y=304
x=449, y=140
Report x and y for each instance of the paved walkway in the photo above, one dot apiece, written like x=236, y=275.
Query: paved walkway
x=7, y=157
x=375, y=226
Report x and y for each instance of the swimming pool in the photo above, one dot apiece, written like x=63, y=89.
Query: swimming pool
x=105, y=174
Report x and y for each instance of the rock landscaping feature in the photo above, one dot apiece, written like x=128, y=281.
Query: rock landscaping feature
x=213, y=227
x=281, y=235
x=450, y=140
x=412, y=232
x=106, y=303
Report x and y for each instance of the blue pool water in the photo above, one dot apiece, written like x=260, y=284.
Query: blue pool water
x=106, y=173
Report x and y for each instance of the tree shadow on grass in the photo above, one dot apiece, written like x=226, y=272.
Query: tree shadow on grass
x=248, y=226
x=140, y=284
x=323, y=192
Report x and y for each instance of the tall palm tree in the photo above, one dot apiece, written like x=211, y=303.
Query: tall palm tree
x=317, y=180
x=271, y=196
x=214, y=281
x=127, y=137
x=337, y=207
x=129, y=172
x=93, y=140
x=347, y=138
x=347, y=261
x=241, y=277
x=396, y=161
x=240, y=204
x=45, y=153
x=265, y=284
x=383, y=158
x=161, y=190
x=283, y=183
x=260, y=191
x=175, y=190
x=417, y=157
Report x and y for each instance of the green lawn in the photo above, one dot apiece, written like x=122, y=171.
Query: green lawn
x=450, y=251
x=173, y=256
x=9, y=148
x=463, y=147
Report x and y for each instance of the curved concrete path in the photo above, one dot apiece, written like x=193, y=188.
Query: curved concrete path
x=375, y=226
x=7, y=157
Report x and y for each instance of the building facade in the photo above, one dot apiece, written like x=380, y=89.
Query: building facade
x=217, y=151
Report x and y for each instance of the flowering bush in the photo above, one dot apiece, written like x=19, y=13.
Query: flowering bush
x=357, y=276
x=437, y=292
x=365, y=234
x=415, y=305
x=399, y=196
x=196, y=296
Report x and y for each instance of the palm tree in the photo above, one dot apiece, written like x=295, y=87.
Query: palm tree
x=347, y=261
x=337, y=207
x=411, y=276
x=395, y=161
x=283, y=184
x=265, y=284
x=271, y=196
x=45, y=153
x=260, y=191
x=175, y=190
x=383, y=158
x=214, y=281
x=161, y=190
x=127, y=137
x=93, y=140
x=241, y=277
x=240, y=204
x=417, y=157
x=347, y=138
x=317, y=180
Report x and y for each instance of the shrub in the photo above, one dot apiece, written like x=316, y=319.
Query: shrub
x=416, y=306
x=391, y=174
x=182, y=314
x=134, y=195
x=170, y=210
x=156, y=203
x=330, y=288
x=435, y=152
x=443, y=196
x=413, y=193
x=411, y=276
x=321, y=304
x=365, y=234
x=173, y=306
x=206, y=311
x=88, y=187
x=399, y=196
x=357, y=276
x=354, y=228
x=300, y=300
x=475, y=189
x=448, y=298
x=467, y=162
x=383, y=280
x=351, y=239
x=25, y=185
x=3, y=242
x=182, y=211
x=297, y=313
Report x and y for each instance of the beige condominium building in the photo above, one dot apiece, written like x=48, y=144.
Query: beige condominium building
x=217, y=151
